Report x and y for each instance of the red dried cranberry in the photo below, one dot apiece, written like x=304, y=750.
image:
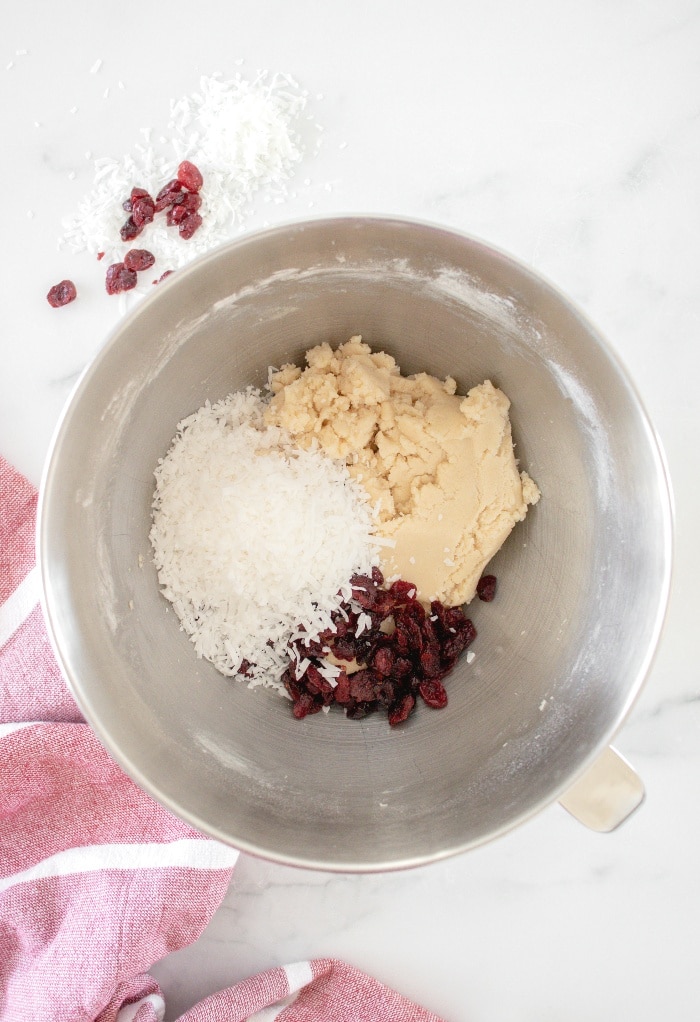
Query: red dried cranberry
x=364, y=591
x=191, y=201
x=342, y=689
x=136, y=193
x=401, y=710
x=364, y=686
x=315, y=682
x=163, y=276
x=189, y=225
x=143, y=210
x=383, y=660
x=305, y=705
x=455, y=643
x=129, y=230
x=189, y=176
x=61, y=294
x=402, y=667
x=486, y=588
x=431, y=663
x=395, y=667
x=401, y=590
x=119, y=279
x=433, y=693
x=176, y=214
x=345, y=648
x=167, y=194
x=139, y=259
x=100, y=255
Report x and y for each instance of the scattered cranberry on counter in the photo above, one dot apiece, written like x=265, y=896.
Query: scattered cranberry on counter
x=119, y=278
x=166, y=196
x=129, y=230
x=180, y=197
x=190, y=176
x=61, y=294
x=189, y=225
x=139, y=259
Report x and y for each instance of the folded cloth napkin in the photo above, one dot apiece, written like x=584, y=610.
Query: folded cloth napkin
x=98, y=881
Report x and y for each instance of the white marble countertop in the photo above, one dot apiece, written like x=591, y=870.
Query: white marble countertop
x=565, y=133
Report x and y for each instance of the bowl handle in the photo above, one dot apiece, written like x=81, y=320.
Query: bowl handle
x=608, y=792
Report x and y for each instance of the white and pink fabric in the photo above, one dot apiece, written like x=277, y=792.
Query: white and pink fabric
x=98, y=881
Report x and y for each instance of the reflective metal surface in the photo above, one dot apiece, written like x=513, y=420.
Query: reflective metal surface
x=560, y=655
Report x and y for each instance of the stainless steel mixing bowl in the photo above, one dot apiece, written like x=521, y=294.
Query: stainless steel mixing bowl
x=561, y=653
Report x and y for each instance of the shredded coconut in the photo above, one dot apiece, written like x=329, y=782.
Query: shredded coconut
x=245, y=138
x=255, y=540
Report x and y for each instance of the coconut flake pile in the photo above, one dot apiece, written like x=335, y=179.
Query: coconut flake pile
x=254, y=539
x=245, y=138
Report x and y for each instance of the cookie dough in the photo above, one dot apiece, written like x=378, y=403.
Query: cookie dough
x=440, y=468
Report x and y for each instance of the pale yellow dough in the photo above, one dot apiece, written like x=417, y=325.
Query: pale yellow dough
x=440, y=467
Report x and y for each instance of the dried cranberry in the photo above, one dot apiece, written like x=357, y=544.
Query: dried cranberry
x=163, y=276
x=100, y=255
x=61, y=294
x=190, y=200
x=395, y=666
x=305, y=705
x=431, y=664
x=345, y=648
x=364, y=685
x=342, y=689
x=364, y=591
x=455, y=643
x=176, y=214
x=143, y=209
x=167, y=194
x=189, y=225
x=383, y=660
x=401, y=710
x=119, y=279
x=402, y=667
x=129, y=230
x=315, y=682
x=402, y=590
x=409, y=635
x=190, y=176
x=486, y=588
x=433, y=693
x=139, y=259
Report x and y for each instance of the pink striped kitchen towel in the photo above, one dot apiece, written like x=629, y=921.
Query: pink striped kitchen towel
x=98, y=881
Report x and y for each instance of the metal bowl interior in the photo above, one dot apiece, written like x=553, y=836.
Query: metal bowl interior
x=560, y=655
